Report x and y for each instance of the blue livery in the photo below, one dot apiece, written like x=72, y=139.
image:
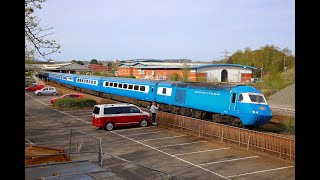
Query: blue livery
x=239, y=101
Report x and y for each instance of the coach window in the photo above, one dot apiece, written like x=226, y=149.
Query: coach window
x=120, y=85
x=164, y=90
x=240, y=97
x=142, y=88
x=125, y=86
x=130, y=86
x=115, y=84
x=106, y=84
x=111, y=84
x=136, y=87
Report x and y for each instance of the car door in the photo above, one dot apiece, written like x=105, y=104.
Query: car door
x=135, y=114
x=44, y=91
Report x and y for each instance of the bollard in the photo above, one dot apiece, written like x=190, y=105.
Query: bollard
x=70, y=142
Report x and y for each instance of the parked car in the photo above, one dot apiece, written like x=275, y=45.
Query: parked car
x=66, y=96
x=48, y=90
x=34, y=87
x=109, y=116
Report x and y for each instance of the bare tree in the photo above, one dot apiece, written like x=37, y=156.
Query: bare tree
x=36, y=37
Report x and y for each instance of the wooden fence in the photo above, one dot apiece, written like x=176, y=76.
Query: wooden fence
x=276, y=145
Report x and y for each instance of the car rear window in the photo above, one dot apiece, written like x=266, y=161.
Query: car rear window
x=96, y=110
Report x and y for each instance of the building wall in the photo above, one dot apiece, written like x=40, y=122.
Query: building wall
x=235, y=74
x=209, y=74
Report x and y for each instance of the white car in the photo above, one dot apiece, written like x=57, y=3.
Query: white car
x=48, y=90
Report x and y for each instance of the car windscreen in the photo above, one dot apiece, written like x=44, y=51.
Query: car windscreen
x=96, y=110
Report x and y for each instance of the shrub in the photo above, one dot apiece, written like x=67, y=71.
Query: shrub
x=74, y=103
x=287, y=125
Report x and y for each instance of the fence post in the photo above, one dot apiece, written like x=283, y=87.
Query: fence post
x=248, y=143
x=100, y=153
x=180, y=125
x=70, y=142
x=290, y=148
x=280, y=150
x=222, y=135
x=239, y=137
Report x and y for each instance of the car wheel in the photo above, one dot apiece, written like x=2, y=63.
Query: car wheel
x=143, y=123
x=39, y=94
x=54, y=94
x=109, y=126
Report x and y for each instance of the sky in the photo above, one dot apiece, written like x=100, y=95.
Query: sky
x=199, y=30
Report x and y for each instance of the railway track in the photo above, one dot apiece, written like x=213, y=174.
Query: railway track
x=272, y=124
x=283, y=111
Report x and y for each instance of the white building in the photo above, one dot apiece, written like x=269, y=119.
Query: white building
x=225, y=72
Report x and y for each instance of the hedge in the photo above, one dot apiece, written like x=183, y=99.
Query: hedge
x=74, y=103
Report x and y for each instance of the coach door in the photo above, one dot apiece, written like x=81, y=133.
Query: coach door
x=232, y=106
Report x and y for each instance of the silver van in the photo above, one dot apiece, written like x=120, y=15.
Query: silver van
x=47, y=90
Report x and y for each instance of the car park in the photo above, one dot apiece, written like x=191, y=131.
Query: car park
x=34, y=87
x=110, y=116
x=66, y=96
x=48, y=90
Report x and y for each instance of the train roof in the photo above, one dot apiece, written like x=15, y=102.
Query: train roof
x=199, y=85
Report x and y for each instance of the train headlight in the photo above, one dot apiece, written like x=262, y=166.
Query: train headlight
x=255, y=112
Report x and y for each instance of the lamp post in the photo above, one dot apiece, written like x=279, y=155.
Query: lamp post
x=261, y=73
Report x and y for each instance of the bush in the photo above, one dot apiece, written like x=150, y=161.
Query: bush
x=74, y=103
x=287, y=125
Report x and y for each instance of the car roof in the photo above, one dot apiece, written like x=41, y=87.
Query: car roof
x=114, y=105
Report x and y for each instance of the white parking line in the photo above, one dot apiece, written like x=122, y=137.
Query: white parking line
x=180, y=144
x=260, y=171
x=216, y=162
x=58, y=110
x=146, y=133
x=28, y=141
x=169, y=155
x=162, y=138
x=201, y=151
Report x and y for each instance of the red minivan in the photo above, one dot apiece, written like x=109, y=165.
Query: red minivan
x=109, y=116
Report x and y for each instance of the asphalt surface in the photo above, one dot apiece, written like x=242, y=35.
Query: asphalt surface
x=144, y=153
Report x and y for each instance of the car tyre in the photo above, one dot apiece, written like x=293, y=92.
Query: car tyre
x=143, y=123
x=39, y=94
x=54, y=94
x=109, y=126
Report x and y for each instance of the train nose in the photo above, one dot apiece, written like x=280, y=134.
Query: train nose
x=262, y=120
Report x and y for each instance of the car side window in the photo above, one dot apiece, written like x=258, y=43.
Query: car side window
x=134, y=110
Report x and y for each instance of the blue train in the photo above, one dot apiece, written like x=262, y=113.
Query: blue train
x=237, y=105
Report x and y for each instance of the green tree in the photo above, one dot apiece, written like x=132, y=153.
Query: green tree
x=109, y=64
x=185, y=72
x=94, y=61
x=174, y=77
x=36, y=37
